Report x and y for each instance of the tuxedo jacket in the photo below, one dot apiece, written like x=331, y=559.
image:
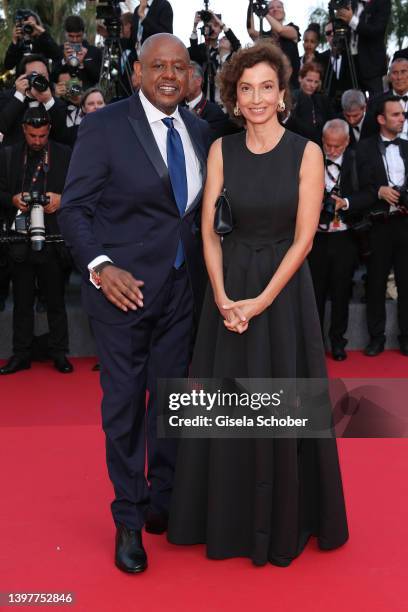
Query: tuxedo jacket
x=309, y=114
x=11, y=178
x=369, y=128
x=338, y=85
x=370, y=150
x=118, y=201
x=159, y=19
x=355, y=184
x=219, y=122
x=372, y=57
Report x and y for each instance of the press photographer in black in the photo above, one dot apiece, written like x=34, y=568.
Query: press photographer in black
x=387, y=158
x=151, y=17
x=78, y=53
x=69, y=90
x=29, y=36
x=32, y=177
x=209, y=54
x=367, y=21
x=334, y=254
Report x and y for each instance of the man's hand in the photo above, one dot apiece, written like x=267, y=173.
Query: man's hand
x=216, y=19
x=17, y=34
x=21, y=84
x=68, y=50
x=18, y=202
x=341, y=203
x=142, y=8
x=121, y=288
x=54, y=203
x=81, y=56
x=390, y=195
x=345, y=14
x=197, y=19
x=60, y=89
x=37, y=29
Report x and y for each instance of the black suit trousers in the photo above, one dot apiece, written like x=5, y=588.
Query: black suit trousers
x=332, y=262
x=389, y=248
x=156, y=343
x=46, y=269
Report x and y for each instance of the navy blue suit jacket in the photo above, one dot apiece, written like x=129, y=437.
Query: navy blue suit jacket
x=118, y=201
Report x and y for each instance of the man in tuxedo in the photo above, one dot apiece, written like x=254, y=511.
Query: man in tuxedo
x=15, y=102
x=336, y=68
x=129, y=213
x=361, y=123
x=211, y=55
x=387, y=157
x=368, y=21
x=333, y=257
x=219, y=122
x=151, y=17
x=36, y=165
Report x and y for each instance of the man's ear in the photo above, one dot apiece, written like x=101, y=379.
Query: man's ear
x=137, y=69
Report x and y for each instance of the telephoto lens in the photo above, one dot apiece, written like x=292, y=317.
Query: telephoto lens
x=37, y=227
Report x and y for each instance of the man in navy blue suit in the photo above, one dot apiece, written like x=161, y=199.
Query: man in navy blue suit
x=129, y=213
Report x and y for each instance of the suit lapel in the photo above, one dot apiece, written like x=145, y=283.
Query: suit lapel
x=196, y=138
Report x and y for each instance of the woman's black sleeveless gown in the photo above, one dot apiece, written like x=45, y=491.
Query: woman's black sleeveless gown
x=263, y=498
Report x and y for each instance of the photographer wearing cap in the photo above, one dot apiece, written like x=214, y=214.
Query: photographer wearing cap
x=212, y=53
x=387, y=157
x=32, y=88
x=32, y=174
x=78, y=53
x=368, y=21
x=334, y=254
x=29, y=36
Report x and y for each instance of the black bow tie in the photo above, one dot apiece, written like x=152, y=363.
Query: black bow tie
x=396, y=141
x=403, y=98
x=328, y=163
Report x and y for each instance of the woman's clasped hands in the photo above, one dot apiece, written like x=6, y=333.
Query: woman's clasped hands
x=237, y=315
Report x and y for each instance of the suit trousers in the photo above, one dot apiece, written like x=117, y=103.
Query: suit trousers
x=389, y=248
x=155, y=343
x=44, y=267
x=332, y=262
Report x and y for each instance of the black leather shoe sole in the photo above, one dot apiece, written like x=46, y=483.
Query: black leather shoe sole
x=138, y=569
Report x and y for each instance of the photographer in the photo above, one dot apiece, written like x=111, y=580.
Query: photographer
x=32, y=88
x=69, y=90
x=77, y=53
x=31, y=172
x=151, y=17
x=212, y=53
x=368, y=23
x=334, y=254
x=29, y=36
x=286, y=36
x=387, y=157
x=362, y=124
x=337, y=69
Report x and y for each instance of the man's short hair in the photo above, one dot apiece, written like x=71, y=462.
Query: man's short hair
x=198, y=72
x=27, y=59
x=397, y=60
x=351, y=99
x=36, y=116
x=381, y=105
x=74, y=23
x=336, y=125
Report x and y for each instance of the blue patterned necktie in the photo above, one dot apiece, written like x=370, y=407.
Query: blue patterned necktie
x=176, y=163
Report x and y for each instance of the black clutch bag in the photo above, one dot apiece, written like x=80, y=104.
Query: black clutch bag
x=223, y=223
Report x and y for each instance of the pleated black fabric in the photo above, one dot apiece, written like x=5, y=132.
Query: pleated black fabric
x=264, y=498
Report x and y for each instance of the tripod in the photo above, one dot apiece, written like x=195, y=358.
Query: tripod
x=340, y=45
x=116, y=75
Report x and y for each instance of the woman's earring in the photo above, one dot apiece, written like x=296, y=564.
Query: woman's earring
x=281, y=106
x=237, y=110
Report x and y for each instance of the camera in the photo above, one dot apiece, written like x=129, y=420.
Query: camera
x=74, y=87
x=260, y=7
x=37, y=81
x=403, y=199
x=328, y=211
x=20, y=17
x=72, y=59
x=33, y=221
x=110, y=13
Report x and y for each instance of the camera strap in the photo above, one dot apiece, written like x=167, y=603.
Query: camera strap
x=42, y=167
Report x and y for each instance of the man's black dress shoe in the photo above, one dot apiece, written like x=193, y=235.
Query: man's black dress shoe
x=15, y=364
x=62, y=364
x=374, y=347
x=130, y=556
x=156, y=523
x=404, y=346
x=338, y=353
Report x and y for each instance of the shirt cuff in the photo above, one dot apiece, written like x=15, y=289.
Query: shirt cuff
x=354, y=21
x=95, y=262
x=19, y=96
x=193, y=36
x=347, y=206
x=49, y=104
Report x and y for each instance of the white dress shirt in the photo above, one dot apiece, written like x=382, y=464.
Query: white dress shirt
x=194, y=175
x=193, y=103
x=394, y=167
x=355, y=20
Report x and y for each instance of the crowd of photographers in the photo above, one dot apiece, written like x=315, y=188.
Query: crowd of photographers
x=350, y=99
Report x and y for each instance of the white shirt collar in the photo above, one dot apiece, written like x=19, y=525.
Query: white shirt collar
x=194, y=102
x=154, y=114
x=399, y=95
x=338, y=160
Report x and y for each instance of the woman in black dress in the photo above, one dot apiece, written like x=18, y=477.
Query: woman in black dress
x=286, y=36
x=260, y=498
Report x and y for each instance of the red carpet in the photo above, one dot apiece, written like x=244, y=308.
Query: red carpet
x=56, y=533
